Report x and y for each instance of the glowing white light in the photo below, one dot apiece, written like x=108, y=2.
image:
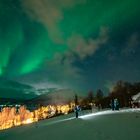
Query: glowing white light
x=88, y=116
x=28, y=121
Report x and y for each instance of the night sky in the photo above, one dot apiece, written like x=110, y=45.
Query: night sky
x=78, y=44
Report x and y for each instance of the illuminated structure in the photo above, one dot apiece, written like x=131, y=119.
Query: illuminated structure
x=10, y=117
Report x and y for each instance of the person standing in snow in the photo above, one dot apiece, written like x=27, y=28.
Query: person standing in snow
x=93, y=108
x=116, y=104
x=112, y=104
x=77, y=109
x=99, y=107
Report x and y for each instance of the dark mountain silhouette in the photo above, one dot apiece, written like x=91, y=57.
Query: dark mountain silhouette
x=13, y=91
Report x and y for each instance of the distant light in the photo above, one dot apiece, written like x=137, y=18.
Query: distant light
x=28, y=121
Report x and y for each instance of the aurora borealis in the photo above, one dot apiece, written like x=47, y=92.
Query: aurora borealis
x=84, y=44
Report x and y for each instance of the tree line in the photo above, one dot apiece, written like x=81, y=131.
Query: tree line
x=122, y=90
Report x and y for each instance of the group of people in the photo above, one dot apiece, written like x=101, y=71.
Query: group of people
x=114, y=104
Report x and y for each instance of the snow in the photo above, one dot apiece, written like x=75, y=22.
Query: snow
x=103, y=125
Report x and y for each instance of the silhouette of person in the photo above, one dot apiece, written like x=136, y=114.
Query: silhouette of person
x=77, y=109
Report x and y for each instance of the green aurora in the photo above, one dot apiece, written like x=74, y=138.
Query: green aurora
x=29, y=41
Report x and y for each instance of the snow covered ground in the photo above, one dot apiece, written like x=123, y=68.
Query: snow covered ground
x=104, y=125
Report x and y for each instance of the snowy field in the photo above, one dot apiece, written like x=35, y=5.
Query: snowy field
x=104, y=125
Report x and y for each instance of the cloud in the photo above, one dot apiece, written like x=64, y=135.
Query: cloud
x=87, y=47
x=50, y=13
x=131, y=44
x=61, y=69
